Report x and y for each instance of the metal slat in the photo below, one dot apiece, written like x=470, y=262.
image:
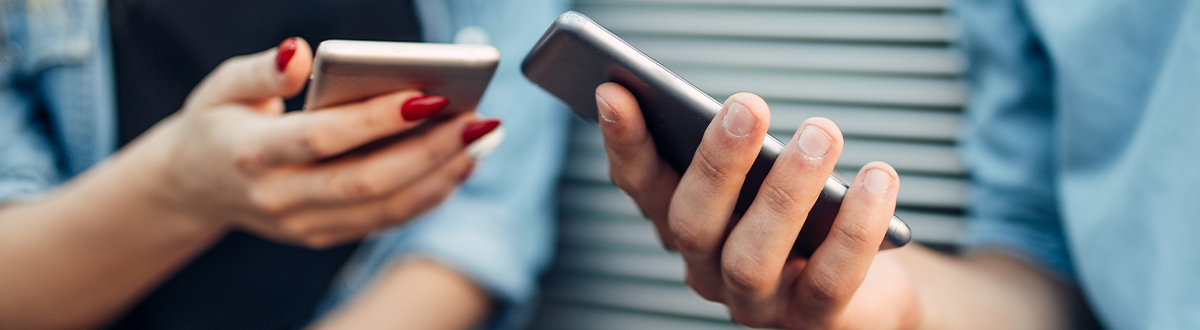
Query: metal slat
x=873, y=122
x=576, y=317
x=600, y=230
x=828, y=88
x=774, y=23
x=651, y=265
x=674, y=299
x=853, y=58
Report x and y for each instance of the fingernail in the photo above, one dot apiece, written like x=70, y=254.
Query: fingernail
x=418, y=108
x=484, y=146
x=478, y=129
x=877, y=181
x=739, y=122
x=606, y=112
x=814, y=142
x=284, y=53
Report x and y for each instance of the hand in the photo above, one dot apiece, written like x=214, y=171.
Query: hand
x=232, y=156
x=743, y=261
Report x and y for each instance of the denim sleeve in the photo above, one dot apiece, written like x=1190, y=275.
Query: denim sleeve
x=498, y=229
x=27, y=158
x=28, y=162
x=1010, y=142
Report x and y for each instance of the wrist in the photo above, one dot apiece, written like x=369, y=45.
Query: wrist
x=146, y=168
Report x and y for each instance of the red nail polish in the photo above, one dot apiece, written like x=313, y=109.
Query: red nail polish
x=478, y=129
x=418, y=108
x=286, y=49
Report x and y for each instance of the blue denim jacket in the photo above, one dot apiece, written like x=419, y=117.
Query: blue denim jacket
x=57, y=119
x=1083, y=148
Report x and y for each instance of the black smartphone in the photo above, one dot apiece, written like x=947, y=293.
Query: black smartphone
x=576, y=55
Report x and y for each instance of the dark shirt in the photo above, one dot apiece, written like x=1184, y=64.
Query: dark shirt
x=161, y=50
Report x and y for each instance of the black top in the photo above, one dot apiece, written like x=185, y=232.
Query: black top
x=161, y=50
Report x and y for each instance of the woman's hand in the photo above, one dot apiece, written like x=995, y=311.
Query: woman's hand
x=233, y=156
x=743, y=261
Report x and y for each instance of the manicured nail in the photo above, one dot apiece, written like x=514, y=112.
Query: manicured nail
x=877, y=181
x=739, y=122
x=478, y=129
x=606, y=111
x=814, y=142
x=418, y=108
x=484, y=146
x=284, y=53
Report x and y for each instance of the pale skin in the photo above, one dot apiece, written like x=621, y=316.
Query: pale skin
x=419, y=295
x=229, y=159
x=847, y=283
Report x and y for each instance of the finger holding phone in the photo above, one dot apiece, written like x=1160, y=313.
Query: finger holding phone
x=231, y=158
x=292, y=176
x=745, y=261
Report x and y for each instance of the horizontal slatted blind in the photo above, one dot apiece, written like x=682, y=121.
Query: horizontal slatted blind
x=883, y=70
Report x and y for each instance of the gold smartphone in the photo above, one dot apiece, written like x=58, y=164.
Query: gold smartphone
x=352, y=70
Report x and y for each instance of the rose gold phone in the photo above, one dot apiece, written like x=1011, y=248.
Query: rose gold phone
x=351, y=70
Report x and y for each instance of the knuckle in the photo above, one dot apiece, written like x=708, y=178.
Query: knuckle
x=433, y=153
x=687, y=239
x=708, y=169
x=779, y=199
x=247, y=159
x=362, y=186
x=618, y=148
x=855, y=233
x=825, y=291
x=267, y=204
x=633, y=182
x=743, y=276
x=705, y=290
x=315, y=139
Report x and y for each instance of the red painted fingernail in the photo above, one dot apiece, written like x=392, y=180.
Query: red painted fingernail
x=418, y=108
x=478, y=129
x=286, y=49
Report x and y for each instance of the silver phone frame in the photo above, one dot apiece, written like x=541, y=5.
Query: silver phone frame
x=353, y=70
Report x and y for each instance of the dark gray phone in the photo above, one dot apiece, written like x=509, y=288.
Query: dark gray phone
x=576, y=55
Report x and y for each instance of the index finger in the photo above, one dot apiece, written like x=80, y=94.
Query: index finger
x=632, y=158
x=322, y=133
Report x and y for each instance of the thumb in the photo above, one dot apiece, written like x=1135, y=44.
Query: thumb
x=275, y=73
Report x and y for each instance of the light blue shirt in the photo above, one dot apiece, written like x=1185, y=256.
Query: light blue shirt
x=57, y=118
x=1084, y=143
